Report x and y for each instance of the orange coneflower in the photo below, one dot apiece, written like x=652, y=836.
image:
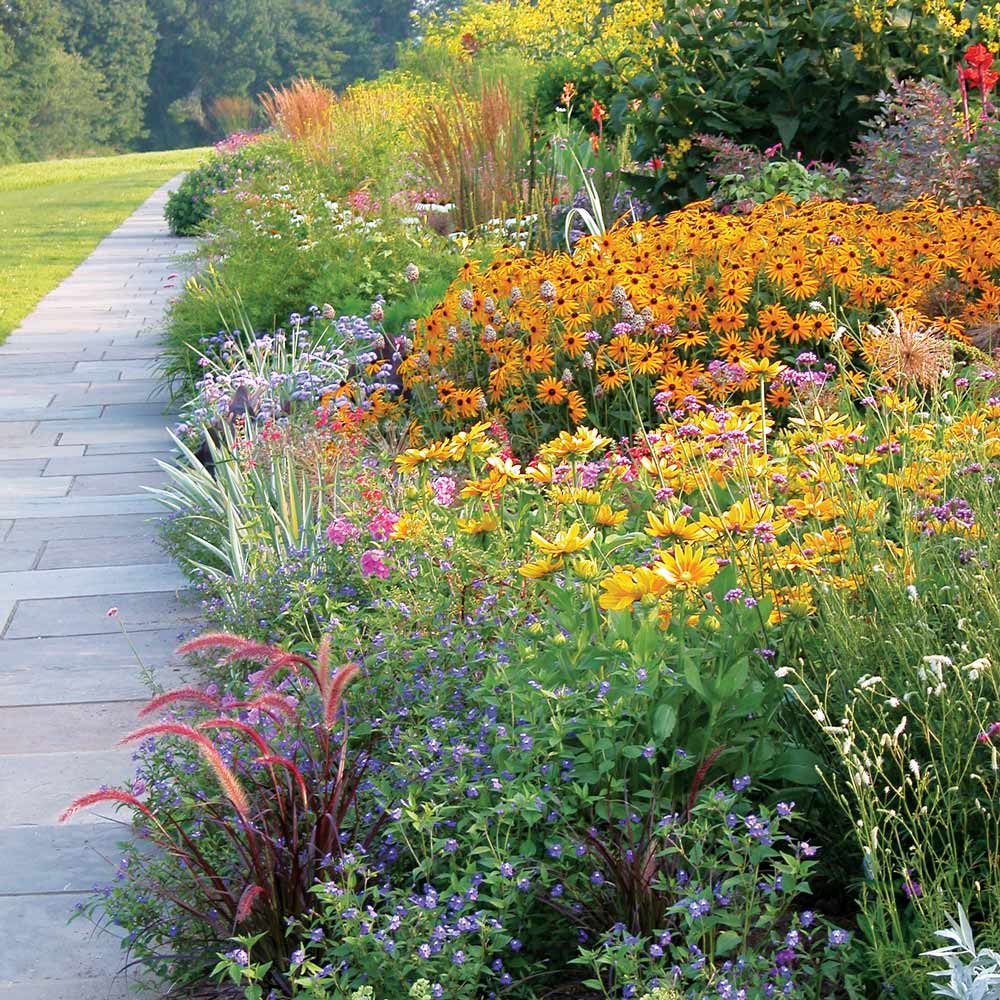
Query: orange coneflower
x=551, y=391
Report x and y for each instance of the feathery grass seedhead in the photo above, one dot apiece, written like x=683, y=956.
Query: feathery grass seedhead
x=211, y=640
x=289, y=766
x=221, y=722
x=106, y=795
x=270, y=702
x=232, y=788
x=247, y=898
x=335, y=692
x=178, y=695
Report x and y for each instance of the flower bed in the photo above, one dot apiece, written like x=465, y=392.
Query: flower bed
x=660, y=569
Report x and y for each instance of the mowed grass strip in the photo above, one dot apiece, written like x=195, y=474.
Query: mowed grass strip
x=53, y=214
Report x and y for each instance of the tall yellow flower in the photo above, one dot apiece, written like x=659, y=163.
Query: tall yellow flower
x=686, y=567
x=564, y=542
x=671, y=525
x=626, y=586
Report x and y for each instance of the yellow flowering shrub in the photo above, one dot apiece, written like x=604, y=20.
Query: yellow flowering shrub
x=583, y=30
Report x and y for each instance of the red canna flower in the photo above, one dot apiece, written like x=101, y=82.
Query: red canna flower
x=598, y=112
x=978, y=59
x=978, y=56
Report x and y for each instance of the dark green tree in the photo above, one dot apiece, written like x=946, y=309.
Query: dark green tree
x=118, y=40
x=29, y=30
x=316, y=39
x=207, y=49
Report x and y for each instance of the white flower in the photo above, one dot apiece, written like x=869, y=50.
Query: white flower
x=912, y=593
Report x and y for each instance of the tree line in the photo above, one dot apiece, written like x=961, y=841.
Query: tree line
x=80, y=76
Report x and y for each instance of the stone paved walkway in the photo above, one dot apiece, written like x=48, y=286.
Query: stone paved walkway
x=81, y=424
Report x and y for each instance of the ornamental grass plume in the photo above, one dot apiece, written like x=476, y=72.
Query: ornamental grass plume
x=300, y=110
x=904, y=350
x=246, y=859
x=471, y=149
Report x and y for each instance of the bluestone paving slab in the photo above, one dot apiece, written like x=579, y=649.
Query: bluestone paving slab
x=89, y=615
x=137, y=352
x=108, y=551
x=44, y=529
x=38, y=787
x=43, y=412
x=158, y=410
x=15, y=430
x=58, y=859
x=113, y=485
x=139, y=391
x=77, y=506
x=89, y=581
x=12, y=487
x=95, y=432
x=65, y=728
x=78, y=952
x=127, y=447
x=89, y=667
x=79, y=388
x=23, y=467
x=99, y=465
x=18, y=452
x=77, y=988
x=14, y=557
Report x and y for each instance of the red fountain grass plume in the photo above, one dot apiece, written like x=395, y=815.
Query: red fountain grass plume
x=211, y=640
x=221, y=722
x=108, y=795
x=289, y=766
x=335, y=692
x=179, y=694
x=245, y=905
x=271, y=702
x=232, y=788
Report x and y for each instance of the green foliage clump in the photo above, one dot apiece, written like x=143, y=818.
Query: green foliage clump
x=190, y=205
x=801, y=73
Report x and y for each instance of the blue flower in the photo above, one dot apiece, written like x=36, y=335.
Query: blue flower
x=838, y=937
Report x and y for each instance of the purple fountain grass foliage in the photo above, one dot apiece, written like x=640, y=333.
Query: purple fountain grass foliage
x=288, y=809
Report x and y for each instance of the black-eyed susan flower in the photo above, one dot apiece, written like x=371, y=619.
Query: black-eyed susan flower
x=564, y=542
x=686, y=567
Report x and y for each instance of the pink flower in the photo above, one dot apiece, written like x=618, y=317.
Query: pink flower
x=373, y=564
x=382, y=524
x=341, y=531
x=444, y=490
x=112, y=612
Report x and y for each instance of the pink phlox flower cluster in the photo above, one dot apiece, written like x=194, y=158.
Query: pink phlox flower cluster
x=382, y=524
x=373, y=564
x=341, y=531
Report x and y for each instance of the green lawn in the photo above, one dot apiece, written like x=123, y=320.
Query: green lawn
x=53, y=214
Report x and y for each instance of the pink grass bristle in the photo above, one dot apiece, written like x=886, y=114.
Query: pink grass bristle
x=247, y=899
x=292, y=770
x=107, y=795
x=178, y=695
x=335, y=692
x=224, y=723
x=211, y=640
x=226, y=778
